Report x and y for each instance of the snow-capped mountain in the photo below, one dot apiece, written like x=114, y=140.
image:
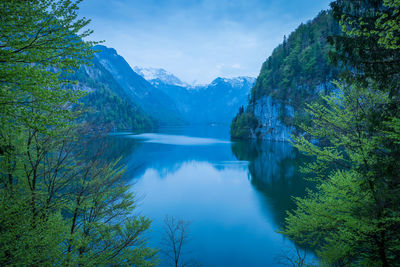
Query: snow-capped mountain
x=216, y=102
x=236, y=82
x=158, y=96
x=155, y=76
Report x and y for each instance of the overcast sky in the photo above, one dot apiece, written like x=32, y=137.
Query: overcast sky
x=198, y=40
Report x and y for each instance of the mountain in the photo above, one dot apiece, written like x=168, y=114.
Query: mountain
x=238, y=82
x=107, y=104
x=123, y=98
x=155, y=76
x=152, y=100
x=216, y=102
x=219, y=101
x=297, y=73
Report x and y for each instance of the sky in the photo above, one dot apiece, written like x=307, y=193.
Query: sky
x=197, y=40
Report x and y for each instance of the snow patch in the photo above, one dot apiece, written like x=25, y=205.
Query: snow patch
x=154, y=75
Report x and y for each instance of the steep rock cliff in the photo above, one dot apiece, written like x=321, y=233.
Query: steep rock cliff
x=298, y=72
x=268, y=112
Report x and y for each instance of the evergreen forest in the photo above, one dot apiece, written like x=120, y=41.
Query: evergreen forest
x=63, y=203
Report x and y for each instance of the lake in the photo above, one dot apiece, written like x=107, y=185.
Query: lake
x=235, y=194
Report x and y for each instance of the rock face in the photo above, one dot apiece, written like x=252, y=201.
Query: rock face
x=268, y=112
x=298, y=71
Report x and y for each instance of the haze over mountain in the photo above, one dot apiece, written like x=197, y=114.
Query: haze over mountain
x=216, y=102
x=198, y=39
x=123, y=99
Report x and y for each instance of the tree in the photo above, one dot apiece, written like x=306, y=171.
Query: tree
x=356, y=202
x=388, y=25
x=40, y=43
x=81, y=213
x=356, y=147
x=174, y=243
x=294, y=74
x=243, y=125
x=58, y=206
x=368, y=48
x=102, y=226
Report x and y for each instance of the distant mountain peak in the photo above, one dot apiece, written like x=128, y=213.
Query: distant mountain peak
x=156, y=75
x=234, y=82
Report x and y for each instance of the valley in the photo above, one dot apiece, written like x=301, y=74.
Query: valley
x=162, y=99
x=283, y=151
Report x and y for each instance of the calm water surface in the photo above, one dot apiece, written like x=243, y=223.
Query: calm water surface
x=235, y=194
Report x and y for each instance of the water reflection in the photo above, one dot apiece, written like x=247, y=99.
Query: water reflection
x=236, y=194
x=274, y=173
x=169, y=139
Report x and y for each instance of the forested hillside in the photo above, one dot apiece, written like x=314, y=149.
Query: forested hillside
x=66, y=198
x=296, y=72
x=352, y=218
x=106, y=103
x=61, y=204
x=299, y=67
x=153, y=101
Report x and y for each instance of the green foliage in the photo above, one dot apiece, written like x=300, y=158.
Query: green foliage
x=353, y=217
x=298, y=66
x=370, y=48
x=297, y=71
x=356, y=202
x=107, y=109
x=70, y=209
x=36, y=38
x=388, y=25
x=383, y=25
x=243, y=125
x=106, y=104
x=58, y=206
x=21, y=244
x=102, y=227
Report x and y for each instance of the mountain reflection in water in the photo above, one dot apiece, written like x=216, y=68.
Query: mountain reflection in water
x=235, y=194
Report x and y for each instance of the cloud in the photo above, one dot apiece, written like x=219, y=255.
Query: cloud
x=236, y=66
x=197, y=39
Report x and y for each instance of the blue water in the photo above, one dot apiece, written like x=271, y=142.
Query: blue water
x=234, y=194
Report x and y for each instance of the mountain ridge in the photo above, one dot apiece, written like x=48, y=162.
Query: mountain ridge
x=150, y=99
x=158, y=74
x=106, y=104
x=213, y=103
x=165, y=98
